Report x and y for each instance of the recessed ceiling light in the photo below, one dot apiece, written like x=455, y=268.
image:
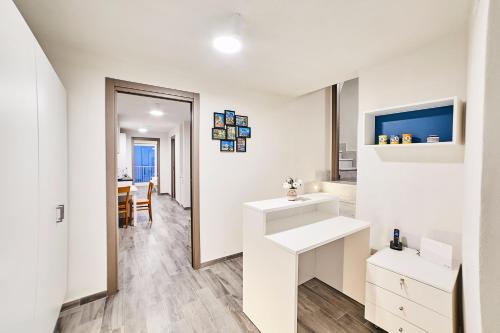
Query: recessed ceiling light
x=143, y=130
x=156, y=113
x=227, y=44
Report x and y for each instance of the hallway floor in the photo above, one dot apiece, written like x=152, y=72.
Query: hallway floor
x=160, y=292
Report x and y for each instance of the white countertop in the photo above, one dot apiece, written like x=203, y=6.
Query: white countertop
x=277, y=204
x=408, y=263
x=308, y=237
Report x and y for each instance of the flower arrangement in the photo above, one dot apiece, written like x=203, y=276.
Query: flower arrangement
x=292, y=185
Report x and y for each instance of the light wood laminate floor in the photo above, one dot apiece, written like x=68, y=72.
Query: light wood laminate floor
x=160, y=292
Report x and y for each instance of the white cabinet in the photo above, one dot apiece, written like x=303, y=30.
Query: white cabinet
x=52, y=237
x=406, y=293
x=33, y=168
x=19, y=171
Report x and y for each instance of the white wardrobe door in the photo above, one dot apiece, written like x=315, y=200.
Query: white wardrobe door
x=19, y=173
x=52, y=241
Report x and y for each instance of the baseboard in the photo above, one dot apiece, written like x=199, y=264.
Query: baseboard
x=83, y=300
x=215, y=261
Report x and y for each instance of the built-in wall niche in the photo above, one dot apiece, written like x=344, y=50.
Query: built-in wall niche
x=443, y=118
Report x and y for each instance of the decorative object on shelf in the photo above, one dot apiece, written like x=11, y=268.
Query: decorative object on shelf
x=433, y=138
x=407, y=138
x=219, y=134
x=227, y=145
x=241, y=145
x=382, y=139
x=394, y=139
x=219, y=120
x=241, y=121
x=229, y=116
x=230, y=132
x=244, y=132
x=292, y=185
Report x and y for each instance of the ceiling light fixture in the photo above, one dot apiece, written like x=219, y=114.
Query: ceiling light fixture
x=156, y=113
x=227, y=44
x=229, y=41
x=143, y=130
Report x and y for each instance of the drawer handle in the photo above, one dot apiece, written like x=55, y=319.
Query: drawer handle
x=401, y=308
x=401, y=282
x=400, y=329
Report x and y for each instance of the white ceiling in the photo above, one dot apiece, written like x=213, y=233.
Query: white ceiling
x=133, y=113
x=290, y=47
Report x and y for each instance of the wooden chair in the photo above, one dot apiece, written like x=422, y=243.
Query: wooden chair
x=145, y=204
x=124, y=206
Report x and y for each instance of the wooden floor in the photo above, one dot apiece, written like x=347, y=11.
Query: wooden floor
x=160, y=292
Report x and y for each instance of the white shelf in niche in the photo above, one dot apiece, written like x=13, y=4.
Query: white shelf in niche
x=457, y=127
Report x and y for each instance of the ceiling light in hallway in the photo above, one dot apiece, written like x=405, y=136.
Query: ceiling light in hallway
x=156, y=113
x=143, y=130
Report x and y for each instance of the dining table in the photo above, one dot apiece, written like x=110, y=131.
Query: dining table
x=133, y=194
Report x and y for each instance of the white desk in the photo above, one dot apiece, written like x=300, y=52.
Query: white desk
x=286, y=244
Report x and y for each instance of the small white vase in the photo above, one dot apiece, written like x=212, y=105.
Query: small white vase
x=292, y=195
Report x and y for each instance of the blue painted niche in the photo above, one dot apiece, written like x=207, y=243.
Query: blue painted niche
x=420, y=123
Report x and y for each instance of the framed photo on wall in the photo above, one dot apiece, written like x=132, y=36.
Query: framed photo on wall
x=241, y=145
x=230, y=132
x=219, y=120
x=227, y=145
x=230, y=117
x=244, y=132
x=219, y=134
x=241, y=121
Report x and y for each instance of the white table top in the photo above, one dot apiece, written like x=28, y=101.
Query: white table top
x=272, y=205
x=133, y=188
x=308, y=237
x=408, y=263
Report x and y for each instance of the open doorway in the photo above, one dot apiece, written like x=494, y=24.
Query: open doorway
x=345, y=113
x=141, y=121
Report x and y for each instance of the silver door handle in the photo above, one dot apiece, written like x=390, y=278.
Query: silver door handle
x=59, y=213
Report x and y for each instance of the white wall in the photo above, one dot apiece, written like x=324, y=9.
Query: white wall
x=419, y=198
x=348, y=110
x=307, y=125
x=481, y=272
x=226, y=180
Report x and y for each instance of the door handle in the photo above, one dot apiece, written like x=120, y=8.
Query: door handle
x=59, y=213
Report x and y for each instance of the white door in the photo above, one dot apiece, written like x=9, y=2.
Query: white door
x=52, y=238
x=19, y=173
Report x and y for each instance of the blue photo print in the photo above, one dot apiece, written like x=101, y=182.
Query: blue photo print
x=227, y=145
x=230, y=116
x=244, y=132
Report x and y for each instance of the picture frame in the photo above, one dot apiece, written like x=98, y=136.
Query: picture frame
x=219, y=120
x=244, y=132
x=241, y=145
x=230, y=116
x=219, y=134
x=227, y=145
x=230, y=132
x=241, y=121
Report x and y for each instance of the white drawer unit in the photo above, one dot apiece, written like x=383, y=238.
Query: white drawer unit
x=406, y=293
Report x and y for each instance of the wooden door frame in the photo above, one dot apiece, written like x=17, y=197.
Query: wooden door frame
x=173, y=188
x=157, y=140
x=113, y=87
